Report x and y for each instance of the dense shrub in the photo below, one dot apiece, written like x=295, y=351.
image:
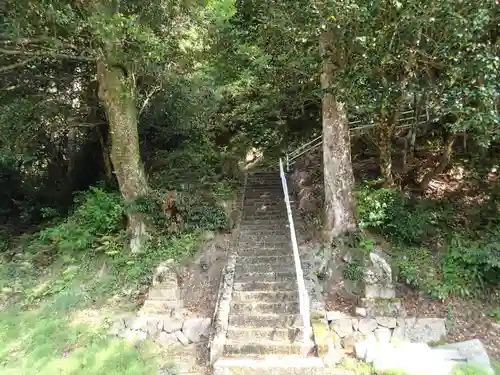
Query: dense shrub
x=432, y=252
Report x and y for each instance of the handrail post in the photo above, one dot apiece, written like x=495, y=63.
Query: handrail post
x=303, y=295
x=287, y=163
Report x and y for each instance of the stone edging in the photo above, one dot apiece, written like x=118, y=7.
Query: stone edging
x=221, y=318
x=224, y=296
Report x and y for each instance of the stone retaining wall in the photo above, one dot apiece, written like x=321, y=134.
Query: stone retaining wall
x=162, y=317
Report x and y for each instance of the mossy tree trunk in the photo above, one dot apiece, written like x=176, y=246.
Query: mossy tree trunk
x=116, y=93
x=340, y=215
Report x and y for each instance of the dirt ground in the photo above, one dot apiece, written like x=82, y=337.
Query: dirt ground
x=200, y=278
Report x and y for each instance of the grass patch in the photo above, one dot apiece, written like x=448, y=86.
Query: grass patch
x=61, y=288
x=65, y=333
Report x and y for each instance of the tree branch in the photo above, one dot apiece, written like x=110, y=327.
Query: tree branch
x=16, y=65
x=148, y=98
x=40, y=54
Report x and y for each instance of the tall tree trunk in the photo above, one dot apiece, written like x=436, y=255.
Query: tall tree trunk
x=340, y=215
x=116, y=92
x=385, y=130
x=449, y=140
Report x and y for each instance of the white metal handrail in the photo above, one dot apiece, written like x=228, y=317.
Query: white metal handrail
x=303, y=296
x=318, y=141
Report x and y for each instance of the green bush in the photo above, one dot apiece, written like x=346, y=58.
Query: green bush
x=403, y=220
x=464, y=263
x=98, y=213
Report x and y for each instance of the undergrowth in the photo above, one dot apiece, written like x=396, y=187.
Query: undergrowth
x=432, y=248
x=60, y=287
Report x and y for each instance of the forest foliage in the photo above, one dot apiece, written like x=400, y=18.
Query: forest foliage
x=126, y=118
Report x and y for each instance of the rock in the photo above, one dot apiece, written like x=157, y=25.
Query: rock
x=335, y=315
x=152, y=326
x=386, y=321
x=367, y=326
x=361, y=348
x=166, y=275
x=472, y=351
x=409, y=358
x=383, y=335
x=196, y=329
x=135, y=337
x=170, y=325
x=360, y=311
x=181, y=337
x=355, y=324
x=378, y=271
x=350, y=341
x=117, y=327
x=379, y=291
x=166, y=339
x=342, y=327
x=383, y=307
x=425, y=330
x=398, y=335
x=137, y=323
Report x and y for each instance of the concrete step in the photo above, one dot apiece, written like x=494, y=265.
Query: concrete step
x=261, y=348
x=271, y=237
x=278, y=321
x=252, y=226
x=159, y=307
x=268, y=276
x=258, y=308
x=277, y=201
x=266, y=259
x=260, y=296
x=248, y=244
x=250, y=250
x=164, y=294
x=263, y=194
x=289, y=365
x=264, y=268
x=279, y=223
x=253, y=334
x=261, y=286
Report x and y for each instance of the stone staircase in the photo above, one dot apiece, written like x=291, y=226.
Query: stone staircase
x=264, y=330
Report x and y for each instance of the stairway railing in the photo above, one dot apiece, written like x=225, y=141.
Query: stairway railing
x=303, y=295
x=404, y=119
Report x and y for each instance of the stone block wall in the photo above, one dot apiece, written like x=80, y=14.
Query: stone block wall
x=162, y=317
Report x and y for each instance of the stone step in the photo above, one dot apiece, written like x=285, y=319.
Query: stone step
x=289, y=365
x=159, y=307
x=252, y=226
x=268, y=296
x=272, y=236
x=250, y=250
x=257, y=308
x=261, y=286
x=261, y=216
x=279, y=223
x=264, y=268
x=263, y=203
x=266, y=259
x=264, y=206
x=268, y=276
x=246, y=244
x=244, y=348
x=164, y=294
x=253, y=334
x=263, y=194
x=278, y=321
